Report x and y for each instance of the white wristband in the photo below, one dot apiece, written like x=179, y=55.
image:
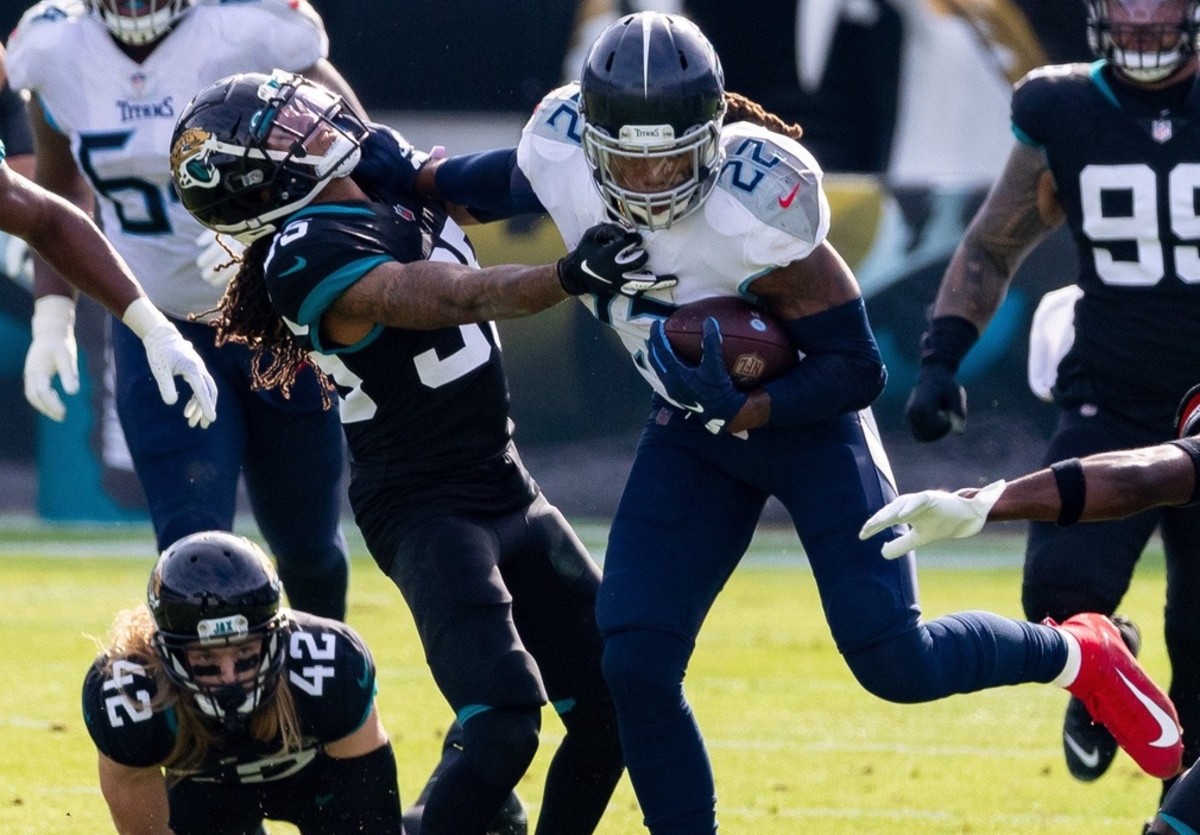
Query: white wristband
x=142, y=317
x=53, y=316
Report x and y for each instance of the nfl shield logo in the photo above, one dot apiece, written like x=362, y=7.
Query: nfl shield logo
x=1160, y=130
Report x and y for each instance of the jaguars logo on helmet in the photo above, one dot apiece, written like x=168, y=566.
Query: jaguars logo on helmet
x=189, y=159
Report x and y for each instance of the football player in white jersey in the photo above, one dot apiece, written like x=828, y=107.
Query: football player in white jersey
x=69, y=240
x=108, y=79
x=732, y=208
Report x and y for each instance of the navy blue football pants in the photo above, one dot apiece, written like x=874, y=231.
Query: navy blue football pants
x=290, y=451
x=686, y=517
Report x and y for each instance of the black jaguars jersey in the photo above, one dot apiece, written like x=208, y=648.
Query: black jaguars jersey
x=425, y=411
x=332, y=679
x=1127, y=167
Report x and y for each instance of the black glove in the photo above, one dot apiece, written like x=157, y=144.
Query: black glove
x=937, y=403
x=609, y=259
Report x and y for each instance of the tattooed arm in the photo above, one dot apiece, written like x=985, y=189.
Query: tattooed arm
x=1021, y=209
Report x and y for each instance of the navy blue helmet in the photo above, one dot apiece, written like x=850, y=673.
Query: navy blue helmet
x=653, y=100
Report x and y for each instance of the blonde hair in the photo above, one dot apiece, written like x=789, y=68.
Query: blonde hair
x=131, y=638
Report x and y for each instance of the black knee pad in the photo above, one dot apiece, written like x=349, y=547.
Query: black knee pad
x=499, y=744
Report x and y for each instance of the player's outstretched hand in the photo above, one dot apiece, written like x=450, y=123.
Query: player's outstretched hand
x=933, y=515
x=706, y=389
x=607, y=260
x=169, y=355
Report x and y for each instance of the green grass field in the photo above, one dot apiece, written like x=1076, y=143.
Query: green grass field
x=798, y=747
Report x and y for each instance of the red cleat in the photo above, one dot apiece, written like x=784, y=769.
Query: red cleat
x=1121, y=696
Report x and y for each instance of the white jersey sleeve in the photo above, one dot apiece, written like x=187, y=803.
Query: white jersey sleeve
x=118, y=115
x=766, y=209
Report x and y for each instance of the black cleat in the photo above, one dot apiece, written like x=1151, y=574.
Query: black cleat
x=511, y=819
x=1087, y=745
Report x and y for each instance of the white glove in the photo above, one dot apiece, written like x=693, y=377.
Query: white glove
x=52, y=351
x=1051, y=334
x=169, y=354
x=934, y=515
x=219, y=257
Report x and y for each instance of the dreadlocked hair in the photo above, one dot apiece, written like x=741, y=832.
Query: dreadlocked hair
x=742, y=109
x=247, y=316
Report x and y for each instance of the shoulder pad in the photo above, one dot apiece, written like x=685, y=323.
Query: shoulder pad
x=1056, y=72
x=33, y=42
x=557, y=117
x=50, y=11
x=1039, y=97
x=298, y=38
x=775, y=179
x=282, y=8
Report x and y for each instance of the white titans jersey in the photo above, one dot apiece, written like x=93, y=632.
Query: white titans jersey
x=119, y=115
x=766, y=210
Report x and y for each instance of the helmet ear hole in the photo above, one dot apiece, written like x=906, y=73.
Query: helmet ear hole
x=652, y=90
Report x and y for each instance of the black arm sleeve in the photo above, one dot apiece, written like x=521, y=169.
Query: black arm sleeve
x=842, y=370
x=366, y=797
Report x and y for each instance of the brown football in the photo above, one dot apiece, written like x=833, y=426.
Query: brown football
x=755, y=346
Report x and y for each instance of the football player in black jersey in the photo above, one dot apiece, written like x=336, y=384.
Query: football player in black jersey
x=382, y=292
x=1112, y=149
x=212, y=708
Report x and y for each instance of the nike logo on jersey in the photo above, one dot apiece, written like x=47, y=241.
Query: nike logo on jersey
x=787, y=199
x=584, y=266
x=300, y=264
x=1170, y=733
x=1091, y=759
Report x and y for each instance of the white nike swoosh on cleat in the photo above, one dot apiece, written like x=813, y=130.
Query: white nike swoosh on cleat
x=1170, y=733
x=1089, y=758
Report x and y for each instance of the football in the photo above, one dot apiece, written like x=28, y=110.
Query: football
x=755, y=346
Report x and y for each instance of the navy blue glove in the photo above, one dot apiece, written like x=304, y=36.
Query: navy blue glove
x=389, y=164
x=707, y=389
